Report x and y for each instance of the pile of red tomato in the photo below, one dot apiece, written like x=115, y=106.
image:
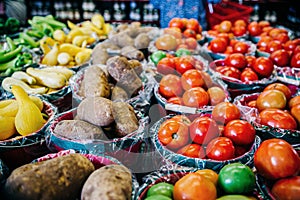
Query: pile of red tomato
x=245, y=68
x=221, y=136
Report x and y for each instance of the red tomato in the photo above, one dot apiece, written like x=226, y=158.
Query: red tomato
x=240, y=132
x=252, y=104
x=189, y=33
x=224, y=36
x=170, y=86
x=166, y=66
x=275, y=159
x=273, y=45
x=225, y=112
x=218, y=45
x=192, y=151
x=263, y=66
x=295, y=112
x=294, y=101
x=280, y=58
x=236, y=60
x=250, y=61
x=191, y=43
x=287, y=188
x=184, y=63
x=216, y=95
x=277, y=118
x=225, y=26
x=248, y=75
x=220, y=148
x=182, y=118
x=254, y=29
x=263, y=42
x=193, y=24
x=281, y=87
x=241, y=150
x=271, y=99
x=239, y=30
x=176, y=32
x=282, y=37
x=191, y=78
x=229, y=71
x=289, y=45
x=240, y=47
x=295, y=61
x=264, y=23
x=175, y=100
x=176, y=22
x=195, y=97
x=240, y=22
x=203, y=130
x=173, y=134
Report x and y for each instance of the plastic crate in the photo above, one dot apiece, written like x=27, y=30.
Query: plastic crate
x=231, y=11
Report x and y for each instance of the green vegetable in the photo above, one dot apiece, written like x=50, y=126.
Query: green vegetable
x=50, y=21
x=9, y=64
x=158, y=197
x=12, y=46
x=182, y=52
x=35, y=33
x=23, y=60
x=47, y=29
x=236, y=178
x=165, y=189
x=12, y=25
x=29, y=40
x=10, y=55
x=157, y=56
x=234, y=197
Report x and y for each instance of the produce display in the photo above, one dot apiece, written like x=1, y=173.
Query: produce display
x=87, y=108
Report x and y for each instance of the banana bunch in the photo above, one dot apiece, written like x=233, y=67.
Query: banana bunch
x=63, y=54
x=45, y=80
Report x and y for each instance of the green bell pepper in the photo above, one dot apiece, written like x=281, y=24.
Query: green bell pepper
x=12, y=25
x=158, y=197
x=233, y=197
x=182, y=52
x=236, y=178
x=157, y=56
x=165, y=189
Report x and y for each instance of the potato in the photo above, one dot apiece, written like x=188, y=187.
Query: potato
x=78, y=130
x=136, y=66
x=122, y=40
x=96, y=110
x=142, y=41
x=125, y=119
x=118, y=94
x=94, y=83
x=112, y=182
x=57, y=178
x=131, y=52
x=120, y=69
x=99, y=56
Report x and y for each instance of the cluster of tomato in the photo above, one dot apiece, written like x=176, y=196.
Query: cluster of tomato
x=277, y=108
x=235, y=181
x=181, y=33
x=238, y=28
x=277, y=161
x=223, y=44
x=245, y=68
x=221, y=136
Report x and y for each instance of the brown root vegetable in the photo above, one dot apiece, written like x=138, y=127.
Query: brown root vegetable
x=136, y=66
x=125, y=120
x=94, y=83
x=78, y=130
x=118, y=94
x=142, y=41
x=122, y=40
x=108, y=182
x=58, y=178
x=99, y=56
x=96, y=110
x=131, y=52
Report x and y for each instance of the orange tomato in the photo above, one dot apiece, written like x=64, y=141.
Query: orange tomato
x=194, y=187
x=209, y=174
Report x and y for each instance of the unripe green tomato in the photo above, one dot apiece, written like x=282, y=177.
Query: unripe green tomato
x=236, y=178
x=165, y=189
x=158, y=197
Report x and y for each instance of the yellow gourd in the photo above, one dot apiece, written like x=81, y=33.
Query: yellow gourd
x=11, y=109
x=5, y=103
x=51, y=57
x=7, y=127
x=29, y=118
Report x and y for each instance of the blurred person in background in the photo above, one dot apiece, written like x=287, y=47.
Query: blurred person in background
x=16, y=9
x=183, y=9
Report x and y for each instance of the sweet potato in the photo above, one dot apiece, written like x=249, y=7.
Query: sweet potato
x=118, y=94
x=131, y=52
x=142, y=41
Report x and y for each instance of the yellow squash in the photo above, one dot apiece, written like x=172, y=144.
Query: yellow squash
x=5, y=103
x=29, y=118
x=7, y=127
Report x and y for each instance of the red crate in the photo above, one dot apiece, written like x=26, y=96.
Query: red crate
x=231, y=11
